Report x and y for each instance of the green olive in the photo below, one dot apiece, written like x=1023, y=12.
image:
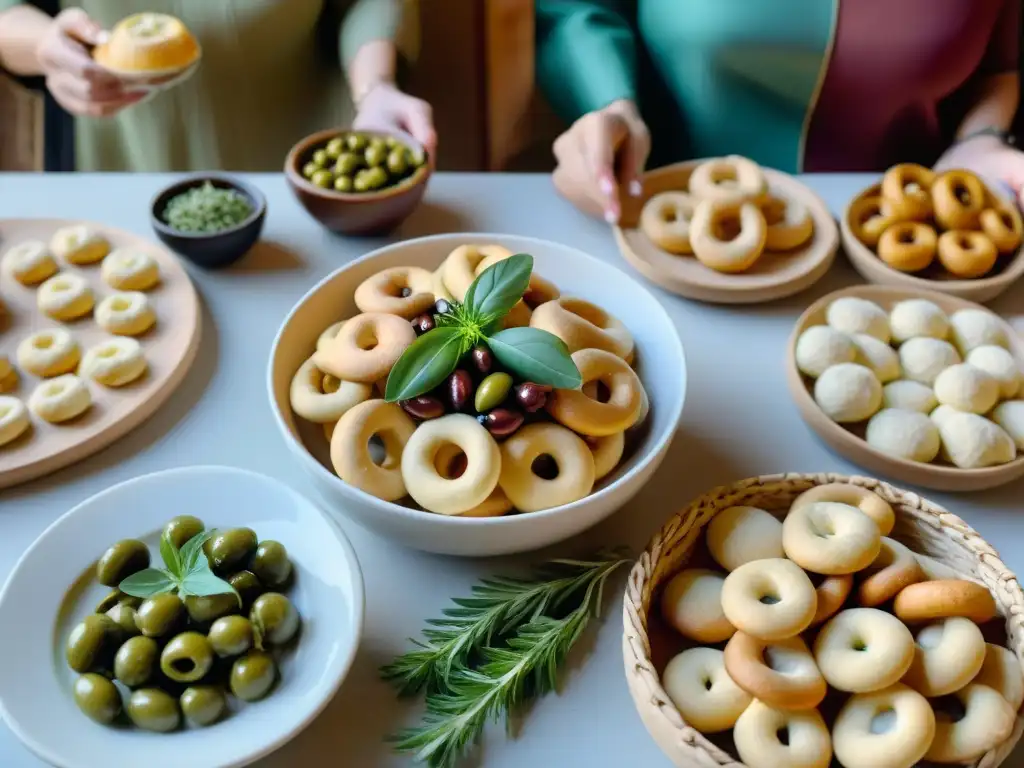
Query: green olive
x=348, y=163
x=136, y=661
x=252, y=675
x=370, y=179
x=320, y=158
x=203, y=704
x=182, y=528
x=153, y=710
x=356, y=141
x=335, y=147
x=376, y=154
x=117, y=597
x=92, y=642
x=270, y=563
x=230, y=636
x=276, y=618
x=124, y=615
x=398, y=162
x=204, y=609
x=391, y=142
x=343, y=184
x=323, y=178
x=309, y=169
x=187, y=658
x=121, y=560
x=247, y=586
x=492, y=392
x=230, y=549
x=159, y=615
x=98, y=698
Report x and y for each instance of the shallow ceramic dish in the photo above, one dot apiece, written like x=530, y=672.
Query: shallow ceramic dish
x=660, y=365
x=850, y=442
x=774, y=276
x=53, y=586
x=1007, y=271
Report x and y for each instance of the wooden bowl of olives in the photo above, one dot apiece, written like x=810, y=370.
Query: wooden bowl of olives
x=358, y=182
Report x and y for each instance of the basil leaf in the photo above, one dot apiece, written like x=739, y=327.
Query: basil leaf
x=497, y=289
x=171, y=556
x=147, y=582
x=203, y=583
x=425, y=364
x=193, y=549
x=536, y=356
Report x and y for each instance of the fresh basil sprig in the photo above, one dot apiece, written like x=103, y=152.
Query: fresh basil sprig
x=186, y=571
x=530, y=353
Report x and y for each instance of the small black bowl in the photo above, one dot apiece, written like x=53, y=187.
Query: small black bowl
x=217, y=249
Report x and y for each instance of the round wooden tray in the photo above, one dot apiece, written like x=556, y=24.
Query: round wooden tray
x=170, y=347
x=1006, y=272
x=774, y=276
x=849, y=442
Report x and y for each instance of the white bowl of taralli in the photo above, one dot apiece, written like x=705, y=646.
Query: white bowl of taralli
x=522, y=510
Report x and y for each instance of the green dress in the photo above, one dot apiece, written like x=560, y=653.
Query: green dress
x=271, y=73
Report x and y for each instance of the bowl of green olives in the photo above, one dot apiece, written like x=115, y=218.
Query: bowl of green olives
x=222, y=642
x=358, y=182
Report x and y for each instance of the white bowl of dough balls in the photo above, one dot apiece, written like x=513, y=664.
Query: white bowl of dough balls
x=918, y=386
x=806, y=621
x=481, y=456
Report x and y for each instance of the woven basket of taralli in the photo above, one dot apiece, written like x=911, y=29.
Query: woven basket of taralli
x=948, y=543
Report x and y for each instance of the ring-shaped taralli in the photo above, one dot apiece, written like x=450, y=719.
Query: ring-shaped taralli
x=607, y=452
x=540, y=291
x=863, y=649
x=49, y=353
x=958, y=198
x=908, y=246
x=350, y=453
x=125, y=314
x=587, y=416
x=60, y=399
x=691, y=603
x=1001, y=671
x=665, y=219
x=967, y=254
x=528, y=491
x=29, y=263
x=583, y=325
x=907, y=188
x=495, y=505
x=328, y=335
x=739, y=534
x=769, y=599
x=781, y=673
x=441, y=494
x=114, y=363
x=366, y=347
x=79, y=244
x=1002, y=225
x=386, y=290
x=869, y=217
x=65, y=296
x=756, y=734
x=987, y=721
x=895, y=567
x=868, y=502
x=947, y=656
x=459, y=269
x=938, y=599
x=311, y=399
x=830, y=538
x=8, y=376
x=732, y=255
x=859, y=743
x=14, y=420
x=729, y=179
x=439, y=289
x=130, y=270
x=832, y=593
x=707, y=698
x=789, y=222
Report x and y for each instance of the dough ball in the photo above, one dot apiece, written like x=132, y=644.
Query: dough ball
x=1010, y=416
x=852, y=315
x=967, y=389
x=975, y=328
x=918, y=317
x=820, y=347
x=924, y=358
x=940, y=414
x=907, y=435
x=909, y=396
x=878, y=356
x=970, y=441
x=1000, y=365
x=848, y=393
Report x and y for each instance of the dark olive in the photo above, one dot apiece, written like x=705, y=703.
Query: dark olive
x=159, y=615
x=187, y=658
x=229, y=550
x=502, y=422
x=117, y=597
x=124, y=615
x=252, y=675
x=271, y=564
x=92, y=642
x=230, y=636
x=153, y=710
x=203, y=704
x=482, y=359
x=121, y=560
x=460, y=389
x=182, y=528
x=205, y=609
x=136, y=661
x=423, y=407
x=247, y=586
x=348, y=163
x=442, y=307
x=356, y=141
x=276, y=618
x=98, y=698
x=423, y=323
x=532, y=396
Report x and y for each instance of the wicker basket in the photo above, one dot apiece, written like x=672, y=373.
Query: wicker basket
x=950, y=545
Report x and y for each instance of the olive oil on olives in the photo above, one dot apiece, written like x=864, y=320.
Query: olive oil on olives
x=136, y=661
x=121, y=560
x=98, y=698
x=186, y=658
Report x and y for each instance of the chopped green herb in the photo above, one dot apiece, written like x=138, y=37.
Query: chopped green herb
x=207, y=209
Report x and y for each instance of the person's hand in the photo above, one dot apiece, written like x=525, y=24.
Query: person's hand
x=602, y=152
x=995, y=162
x=385, y=108
x=78, y=83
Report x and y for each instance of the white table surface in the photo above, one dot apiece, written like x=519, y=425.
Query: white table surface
x=738, y=422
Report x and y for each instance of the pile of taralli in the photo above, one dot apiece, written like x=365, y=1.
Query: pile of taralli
x=821, y=636
x=918, y=216
x=728, y=217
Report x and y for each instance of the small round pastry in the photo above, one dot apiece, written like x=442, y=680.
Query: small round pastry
x=1010, y=416
x=665, y=219
x=707, y=698
x=65, y=296
x=727, y=254
x=769, y=599
x=862, y=740
x=987, y=722
x=8, y=376
x=781, y=673
x=917, y=317
x=860, y=650
x=908, y=246
x=1002, y=225
x=909, y=435
x=851, y=315
x=832, y=592
x=868, y=218
x=966, y=388
x=60, y=399
x=518, y=317
x=737, y=535
x=438, y=288
x=540, y=291
x=366, y=347
x=757, y=732
x=692, y=605
x=529, y=491
x=79, y=244
x=403, y=291
x=49, y=353
x=14, y=420
x=906, y=187
x=909, y=395
x=29, y=263
x=868, y=502
x=328, y=335
x=943, y=598
x=314, y=399
x=966, y=254
x=895, y=567
x=114, y=363
x=350, y=454
x=975, y=328
x=947, y=656
x=591, y=417
x=878, y=356
x=125, y=314
x=729, y=179
x=830, y=538
x=129, y=270
x=1000, y=365
x=148, y=43
x=848, y=393
x=970, y=441
x=789, y=222
x=820, y=347
x=607, y=453
x=923, y=358
x=459, y=269
x=1002, y=673
x=582, y=325
x=958, y=198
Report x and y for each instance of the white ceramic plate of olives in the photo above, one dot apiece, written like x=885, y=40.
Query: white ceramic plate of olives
x=188, y=706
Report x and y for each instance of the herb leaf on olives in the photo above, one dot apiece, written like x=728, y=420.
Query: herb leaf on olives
x=537, y=356
x=202, y=582
x=188, y=572
x=152, y=581
x=499, y=287
x=171, y=555
x=425, y=364
x=193, y=548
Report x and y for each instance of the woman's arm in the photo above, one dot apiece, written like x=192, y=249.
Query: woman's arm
x=22, y=28
x=997, y=89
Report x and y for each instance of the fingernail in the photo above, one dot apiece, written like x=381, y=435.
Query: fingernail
x=610, y=217
x=606, y=186
x=635, y=189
